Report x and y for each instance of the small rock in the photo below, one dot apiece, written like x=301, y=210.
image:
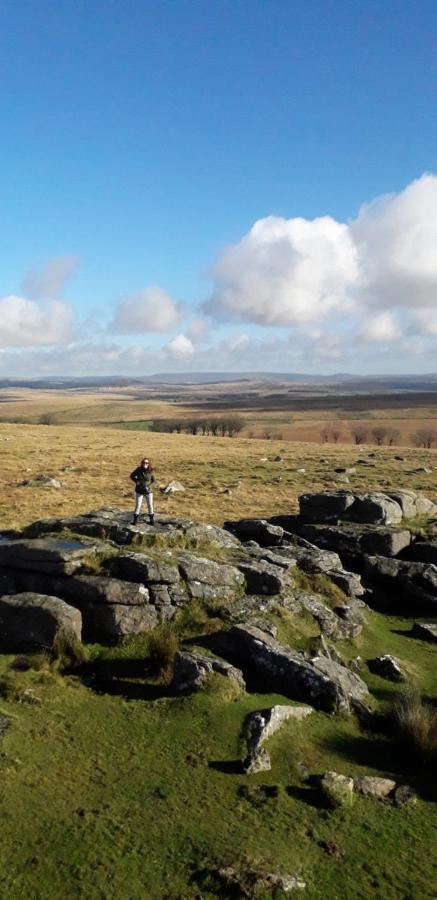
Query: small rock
x=387, y=667
x=404, y=795
x=371, y=786
x=173, y=487
x=301, y=471
x=337, y=789
x=278, y=458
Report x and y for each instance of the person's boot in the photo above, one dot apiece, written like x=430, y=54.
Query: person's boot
x=151, y=519
x=135, y=519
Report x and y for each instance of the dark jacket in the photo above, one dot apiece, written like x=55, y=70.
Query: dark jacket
x=144, y=479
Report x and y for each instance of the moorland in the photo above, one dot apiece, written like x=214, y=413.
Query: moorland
x=112, y=787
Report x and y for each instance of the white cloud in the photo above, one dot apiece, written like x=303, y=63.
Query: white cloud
x=180, y=347
x=48, y=282
x=297, y=271
x=381, y=326
x=286, y=271
x=149, y=310
x=396, y=239
x=24, y=323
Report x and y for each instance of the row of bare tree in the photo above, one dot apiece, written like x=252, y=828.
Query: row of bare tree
x=380, y=435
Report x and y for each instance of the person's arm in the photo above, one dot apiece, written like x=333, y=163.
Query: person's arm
x=134, y=475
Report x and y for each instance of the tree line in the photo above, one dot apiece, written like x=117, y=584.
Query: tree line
x=227, y=427
x=380, y=435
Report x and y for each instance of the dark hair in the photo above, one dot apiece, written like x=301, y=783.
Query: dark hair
x=149, y=461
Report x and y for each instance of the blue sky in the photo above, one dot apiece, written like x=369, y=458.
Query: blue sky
x=142, y=142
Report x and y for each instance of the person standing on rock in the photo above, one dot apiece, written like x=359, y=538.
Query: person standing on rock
x=144, y=479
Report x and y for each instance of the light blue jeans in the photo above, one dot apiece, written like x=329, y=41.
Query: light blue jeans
x=139, y=501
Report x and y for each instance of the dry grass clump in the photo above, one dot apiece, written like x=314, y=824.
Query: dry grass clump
x=415, y=722
x=68, y=651
x=162, y=646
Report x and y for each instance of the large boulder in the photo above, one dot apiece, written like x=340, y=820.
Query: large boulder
x=426, y=631
x=410, y=585
x=29, y=619
x=259, y=530
x=325, y=507
x=263, y=577
x=52, y=555
x=143, y=569
x=283, y=670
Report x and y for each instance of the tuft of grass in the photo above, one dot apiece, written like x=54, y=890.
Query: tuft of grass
x=318, y=584
x=162, y=646
x=415, y=723
x=68, y=651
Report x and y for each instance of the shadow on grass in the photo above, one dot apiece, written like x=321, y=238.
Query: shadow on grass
x=373, y=752
x=228, y=767
x=309, y=795
x=112, y=676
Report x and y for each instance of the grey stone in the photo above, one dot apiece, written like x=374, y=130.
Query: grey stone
x=259, y=530
x=143, y=569
x=384, y=541
x=412, y=584
x=330, y=624
x=258, y=761
x=28, y=619
x=337, y=789
x=426, y=631
x=424, y=551
x=371, y=786
x=197, y=568
x=285, y=671
x=192, y=669
x=118, y=620
x=51, y=555
x=375, y=508
x=261, y=725
x=325, y=507
x=263, y=578
x=404, y=795
x=173, y=487
x=387, y=667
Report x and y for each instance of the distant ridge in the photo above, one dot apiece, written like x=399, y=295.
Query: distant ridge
x=345, y=381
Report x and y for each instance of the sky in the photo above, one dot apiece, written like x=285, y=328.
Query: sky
x=218, y=185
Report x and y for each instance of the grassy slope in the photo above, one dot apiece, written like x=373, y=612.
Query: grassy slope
x=114, y=796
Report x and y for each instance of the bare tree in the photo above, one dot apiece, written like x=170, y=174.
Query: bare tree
x=393, y=435
x=336, y=435
x=359, y=434
x=425, y=437
x=235, y=426
x=324, y=434
x=379, y=434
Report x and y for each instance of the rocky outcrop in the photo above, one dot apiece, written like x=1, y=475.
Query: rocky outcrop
x=50, y=554
x=321, y=682
x=426, y=631
x=29, y=619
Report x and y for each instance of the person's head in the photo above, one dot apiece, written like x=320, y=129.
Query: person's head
x=146, y=463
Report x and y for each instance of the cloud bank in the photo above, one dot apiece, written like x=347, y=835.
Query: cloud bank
x=291, y=295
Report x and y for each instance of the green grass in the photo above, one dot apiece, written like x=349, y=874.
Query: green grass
x=103, y=796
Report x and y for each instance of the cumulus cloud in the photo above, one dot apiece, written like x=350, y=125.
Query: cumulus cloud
x=149, y=310
x=180, y=347
x=286, y=271
x=24, y=323
x=48, y=281
x=289, y=272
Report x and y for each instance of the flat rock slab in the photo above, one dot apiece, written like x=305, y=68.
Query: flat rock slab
x=143, y=569
x=371, y=786
x=52, y=555
x=30, y=619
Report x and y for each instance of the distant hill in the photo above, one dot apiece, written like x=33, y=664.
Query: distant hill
x=347, y=382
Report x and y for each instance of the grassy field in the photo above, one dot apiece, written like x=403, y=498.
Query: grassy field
x=110, y=788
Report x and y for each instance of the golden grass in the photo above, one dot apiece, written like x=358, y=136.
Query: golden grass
x=224, y=477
